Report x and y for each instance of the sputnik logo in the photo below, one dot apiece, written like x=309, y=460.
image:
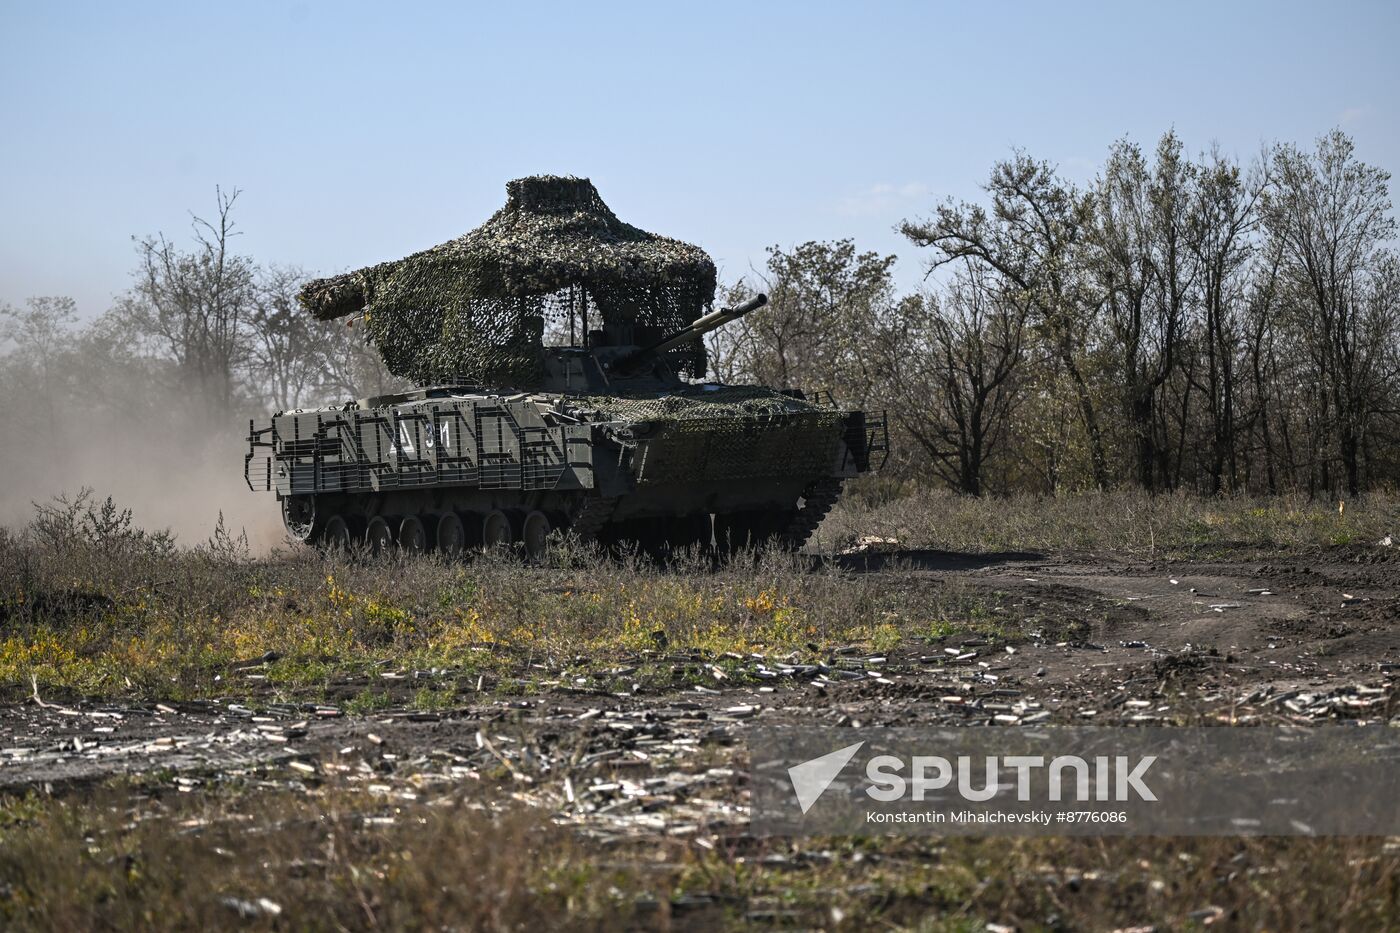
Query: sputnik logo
x=811, y=778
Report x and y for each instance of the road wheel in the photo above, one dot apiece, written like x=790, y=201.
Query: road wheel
x=535, y=534
x=495, y=530
x=379, y=536
x=451, y=536
x=299, y=515
x=413, y=537
x=336, y=536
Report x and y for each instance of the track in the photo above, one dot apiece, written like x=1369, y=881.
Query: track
x=819, y=499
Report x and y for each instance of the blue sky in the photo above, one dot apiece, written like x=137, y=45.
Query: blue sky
x=360, y=133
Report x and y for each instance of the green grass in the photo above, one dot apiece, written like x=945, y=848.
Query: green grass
x=369, y=701
x=428, y=698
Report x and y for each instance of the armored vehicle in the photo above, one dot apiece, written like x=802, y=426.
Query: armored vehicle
x=599, y=434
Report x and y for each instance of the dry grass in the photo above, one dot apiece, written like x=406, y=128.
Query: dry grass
x=328, y=858
x=91, y=606
x=323, y=859
x=180, y=625
x=160, y=623
x=95, y=608
x=1128, y=521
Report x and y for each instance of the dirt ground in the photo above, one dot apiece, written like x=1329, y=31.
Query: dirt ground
x=1287, y=636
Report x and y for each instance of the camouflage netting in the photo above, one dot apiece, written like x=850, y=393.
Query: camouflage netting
x=473, y=310
x=699, y=402
x=708, y=433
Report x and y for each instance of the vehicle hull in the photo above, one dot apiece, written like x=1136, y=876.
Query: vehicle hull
x=436, y=452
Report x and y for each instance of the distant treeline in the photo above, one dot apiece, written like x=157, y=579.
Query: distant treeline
x=1180, y=323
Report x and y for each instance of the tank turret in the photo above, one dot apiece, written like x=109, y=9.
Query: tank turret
x=605, y=367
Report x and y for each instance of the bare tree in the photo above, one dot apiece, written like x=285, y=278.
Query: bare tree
x=1223, y=219
x=350, y=367
x=1180, y=322
x=949, y=373
x=1329, y=215
x=1142, y=260
x=196, y=304
x=285, y=357
x=41, y=330
x=39, y=338
x=294, y=360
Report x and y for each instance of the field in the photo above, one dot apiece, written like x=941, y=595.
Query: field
x=202, y=737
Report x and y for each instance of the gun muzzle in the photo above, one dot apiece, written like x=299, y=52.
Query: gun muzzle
x=753, y=304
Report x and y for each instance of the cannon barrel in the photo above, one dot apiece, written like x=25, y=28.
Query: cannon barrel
x=696, y=328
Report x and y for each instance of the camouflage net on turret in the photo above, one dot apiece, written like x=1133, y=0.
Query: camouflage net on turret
x=473, y=310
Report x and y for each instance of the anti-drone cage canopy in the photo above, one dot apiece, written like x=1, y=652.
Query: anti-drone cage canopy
x=473, y=310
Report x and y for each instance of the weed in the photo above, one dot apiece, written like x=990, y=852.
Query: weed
x=369, y=701
x=428, y=698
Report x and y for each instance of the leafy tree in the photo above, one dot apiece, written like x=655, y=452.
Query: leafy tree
x=822, y=300
x=1034, y=238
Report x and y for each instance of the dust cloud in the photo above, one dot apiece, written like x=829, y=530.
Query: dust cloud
x=172, y=470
